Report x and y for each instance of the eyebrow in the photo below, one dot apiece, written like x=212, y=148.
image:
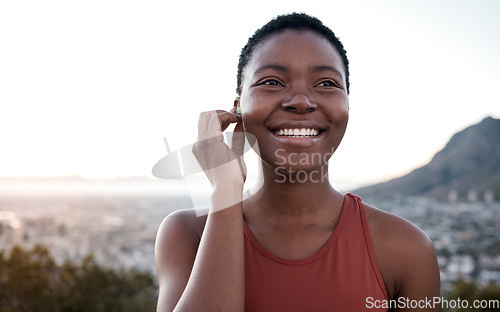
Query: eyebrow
x=284, y=69
x=322, y=68
x=279, y=68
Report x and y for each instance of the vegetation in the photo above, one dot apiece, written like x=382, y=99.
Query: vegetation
x=468, y=293
x=30, y=280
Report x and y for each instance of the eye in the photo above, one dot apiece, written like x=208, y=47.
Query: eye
x=271, y=82
x=327, y=83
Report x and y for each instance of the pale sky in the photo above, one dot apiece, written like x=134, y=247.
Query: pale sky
x=90, y=88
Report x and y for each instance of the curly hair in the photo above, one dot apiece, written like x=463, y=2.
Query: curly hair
x=296, y=21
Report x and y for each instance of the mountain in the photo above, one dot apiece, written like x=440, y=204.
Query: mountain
x=470, y=161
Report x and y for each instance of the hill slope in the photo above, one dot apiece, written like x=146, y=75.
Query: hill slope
x=470, y=161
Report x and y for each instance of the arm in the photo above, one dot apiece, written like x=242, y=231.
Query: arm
x=175, y=251
x=419, y=273
x=205, y=278
x=208, y=277
x=406, y=259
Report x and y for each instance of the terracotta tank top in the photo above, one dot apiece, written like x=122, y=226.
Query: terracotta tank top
x=339, y=277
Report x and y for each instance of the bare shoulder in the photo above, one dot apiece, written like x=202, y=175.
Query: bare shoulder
x=176, y=245
x=396, y=231
x=182, y=224
x=405, y=254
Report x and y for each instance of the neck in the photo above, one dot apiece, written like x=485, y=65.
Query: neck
x=303, y=197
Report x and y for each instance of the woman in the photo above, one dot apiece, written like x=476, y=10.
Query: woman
x=295, y=244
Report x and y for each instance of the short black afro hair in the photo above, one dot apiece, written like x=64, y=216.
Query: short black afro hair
x=297, y=21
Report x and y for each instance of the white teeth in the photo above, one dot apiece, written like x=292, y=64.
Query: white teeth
x=297, y=133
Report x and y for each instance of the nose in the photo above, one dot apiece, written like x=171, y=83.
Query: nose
x=300, y=104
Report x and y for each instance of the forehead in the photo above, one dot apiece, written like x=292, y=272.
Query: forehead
x=294, y=48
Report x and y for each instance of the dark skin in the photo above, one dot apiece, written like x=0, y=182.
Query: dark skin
x=295, y=79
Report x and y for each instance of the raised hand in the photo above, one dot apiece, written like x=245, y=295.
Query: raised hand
x=221, y=164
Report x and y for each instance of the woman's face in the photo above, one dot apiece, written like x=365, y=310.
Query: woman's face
x=294, y=99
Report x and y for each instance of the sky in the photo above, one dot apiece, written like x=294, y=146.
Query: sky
x=90, y=88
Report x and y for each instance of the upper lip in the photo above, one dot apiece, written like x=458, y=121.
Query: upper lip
x=296, y=124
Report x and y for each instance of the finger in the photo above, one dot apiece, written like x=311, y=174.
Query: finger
x=224, y=119
x=203, y=122
x=214, y=128
x=227, y=118
x=210, y=123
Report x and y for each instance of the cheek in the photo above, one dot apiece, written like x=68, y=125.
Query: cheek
x=249, y=103
x=339, y=117
x=339, y=114
x=343, y=115
x=252, y=123
x=253, y=114
x=340, y=120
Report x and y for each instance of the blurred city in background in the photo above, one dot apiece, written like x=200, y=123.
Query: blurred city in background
x=119, y=229
x=454, y=199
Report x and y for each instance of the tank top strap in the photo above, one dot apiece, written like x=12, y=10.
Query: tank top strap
x=361, y=210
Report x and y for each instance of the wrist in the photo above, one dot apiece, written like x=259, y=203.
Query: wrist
x=226, y=195
x=228, y=187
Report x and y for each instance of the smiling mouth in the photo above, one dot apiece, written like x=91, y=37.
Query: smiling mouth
x=298, y=132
